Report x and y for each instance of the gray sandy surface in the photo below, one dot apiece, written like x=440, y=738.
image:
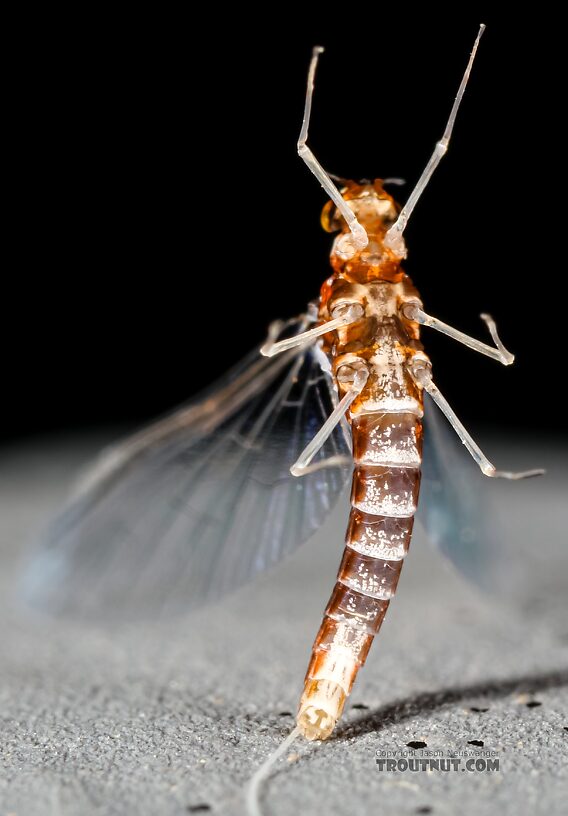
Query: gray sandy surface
x=172, y=718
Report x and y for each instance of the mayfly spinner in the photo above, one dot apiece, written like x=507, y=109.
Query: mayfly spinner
x=203, y=500
x=370, y=314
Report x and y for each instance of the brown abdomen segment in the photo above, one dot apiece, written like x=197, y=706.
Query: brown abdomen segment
x=387, y=449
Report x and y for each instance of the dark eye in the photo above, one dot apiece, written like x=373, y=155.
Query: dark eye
x=330, y=218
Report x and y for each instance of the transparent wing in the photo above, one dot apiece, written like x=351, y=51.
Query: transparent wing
x=200, y=502
x=457, y=514
x=475, y=521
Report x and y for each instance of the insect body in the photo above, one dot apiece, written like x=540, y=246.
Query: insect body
x=379, y=350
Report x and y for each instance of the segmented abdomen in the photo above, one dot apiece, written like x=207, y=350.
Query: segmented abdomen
x=387, y=450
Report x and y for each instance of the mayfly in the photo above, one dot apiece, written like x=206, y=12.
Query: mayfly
x=203, y=500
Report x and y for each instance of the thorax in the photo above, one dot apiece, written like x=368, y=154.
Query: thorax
x=382, y=339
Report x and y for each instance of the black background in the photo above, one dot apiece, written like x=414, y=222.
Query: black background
x=161, y=217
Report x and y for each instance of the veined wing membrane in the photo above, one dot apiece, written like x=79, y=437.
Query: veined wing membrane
x=467, y=516
x=199, y=502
